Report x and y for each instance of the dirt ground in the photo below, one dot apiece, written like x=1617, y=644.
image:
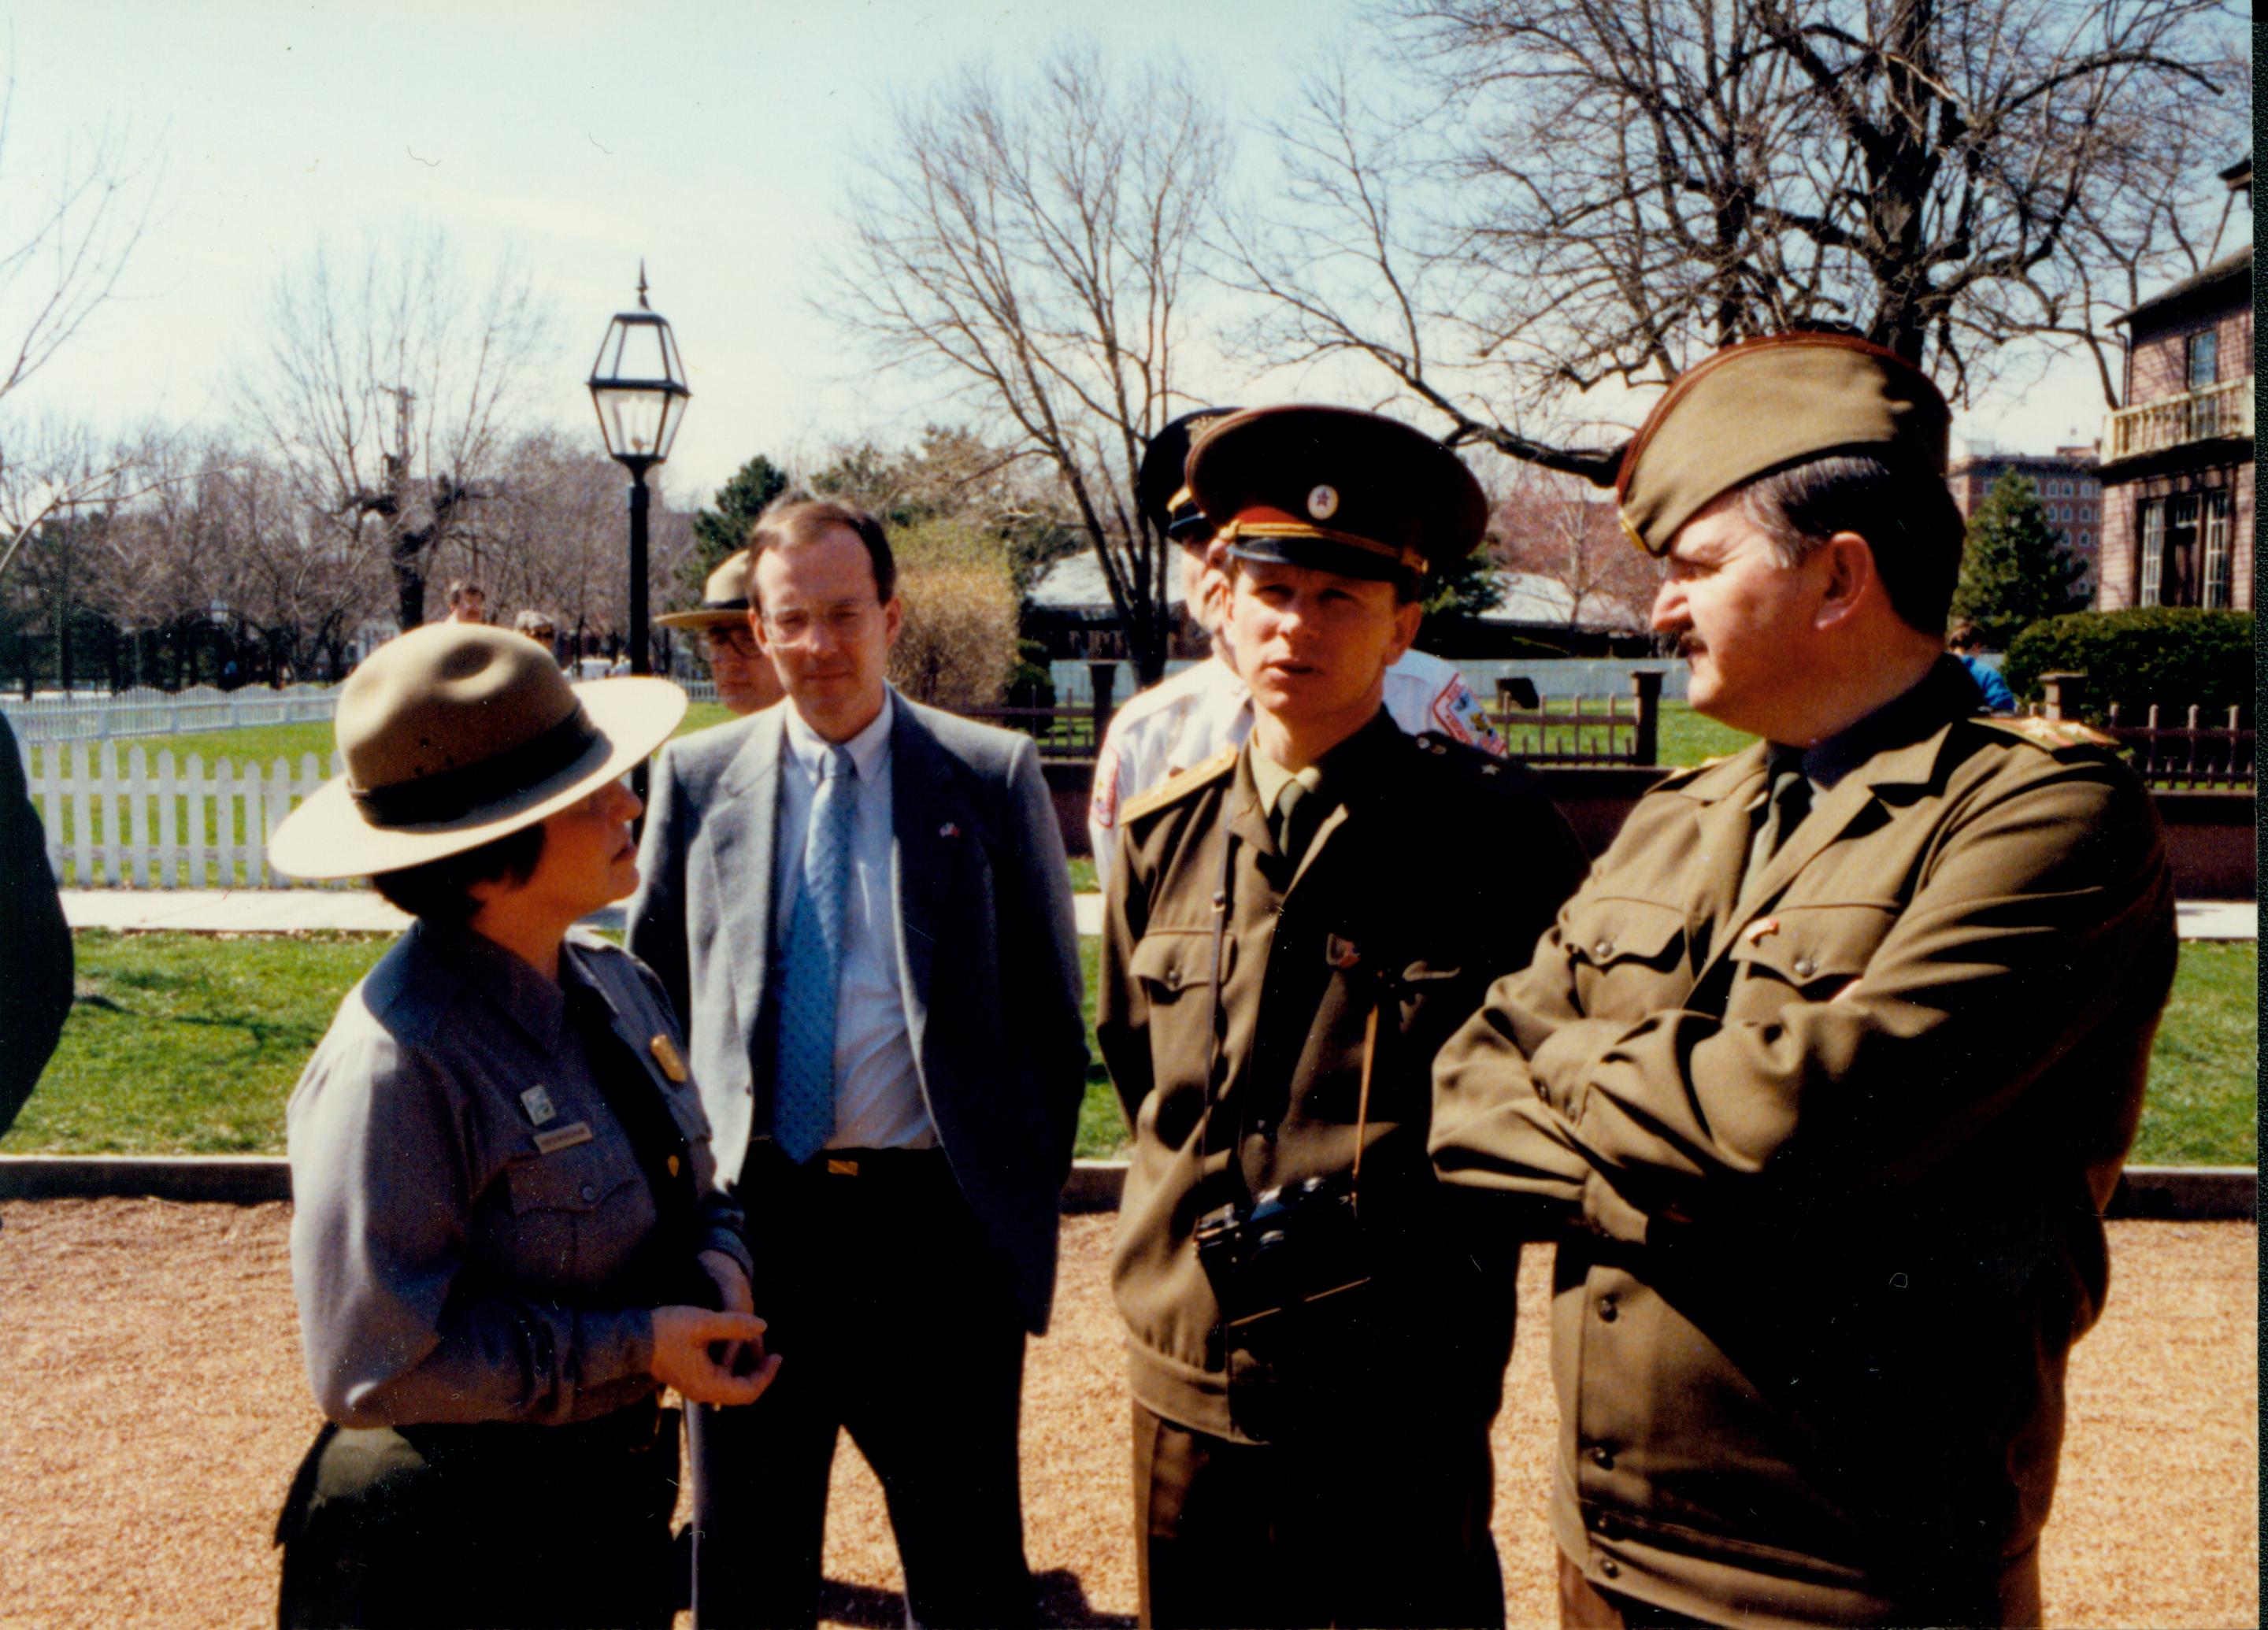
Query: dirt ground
x=151, y=1410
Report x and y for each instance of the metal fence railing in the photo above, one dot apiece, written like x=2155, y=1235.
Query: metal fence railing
x=2192, y=754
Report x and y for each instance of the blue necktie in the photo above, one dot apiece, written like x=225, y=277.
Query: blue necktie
x=802, y=1099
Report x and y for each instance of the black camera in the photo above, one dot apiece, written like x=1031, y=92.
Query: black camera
x=1300, y=1245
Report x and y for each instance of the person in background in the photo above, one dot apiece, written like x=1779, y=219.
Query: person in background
x=1826, y=1073
x=863, y=907
x=726, y=622
x=1189, y=717
x=505, y=1237
x=35, y=943
x=1963, y=640
x=540, y=627
x=468, y=602
x=1294, y=926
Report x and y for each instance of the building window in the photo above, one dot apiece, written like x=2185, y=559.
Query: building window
x=2201, y=358
x=2216, y=550
x=2152, y=513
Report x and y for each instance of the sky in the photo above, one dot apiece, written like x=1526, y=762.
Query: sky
x=715, y=141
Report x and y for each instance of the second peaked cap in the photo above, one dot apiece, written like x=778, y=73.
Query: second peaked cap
x=1336, y=488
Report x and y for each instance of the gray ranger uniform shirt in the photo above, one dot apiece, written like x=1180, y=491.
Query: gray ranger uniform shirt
x=466, y=1203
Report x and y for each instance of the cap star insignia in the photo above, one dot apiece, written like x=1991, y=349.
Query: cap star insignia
x=665, y=1055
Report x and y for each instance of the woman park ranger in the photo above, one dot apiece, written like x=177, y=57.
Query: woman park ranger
x=505, y=1242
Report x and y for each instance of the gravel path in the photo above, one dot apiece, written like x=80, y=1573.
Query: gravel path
x=151, y=1409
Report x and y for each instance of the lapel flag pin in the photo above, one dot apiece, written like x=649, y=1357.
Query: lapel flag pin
x=948, y=831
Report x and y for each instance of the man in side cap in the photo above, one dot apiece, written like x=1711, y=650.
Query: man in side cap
x=1189, y=717
x=726, y=622
x=1826, y=1072
x=1294, y=927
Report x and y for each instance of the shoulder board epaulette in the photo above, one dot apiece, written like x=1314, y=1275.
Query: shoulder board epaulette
x=2055, y=735
x=1179, y=783
x=1690, y=774
x=1464, y=755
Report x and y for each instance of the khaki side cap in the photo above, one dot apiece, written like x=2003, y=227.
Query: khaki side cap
x=1764, y=403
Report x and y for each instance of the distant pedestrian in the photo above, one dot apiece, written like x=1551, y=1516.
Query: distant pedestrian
x=468, y=602
x=1964, y=642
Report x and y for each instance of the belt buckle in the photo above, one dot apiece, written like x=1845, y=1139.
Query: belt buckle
x=837, y=1167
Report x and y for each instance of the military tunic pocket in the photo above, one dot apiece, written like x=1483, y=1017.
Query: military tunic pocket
x=1169, y=961
x=1813, y=951
x=1622, y=950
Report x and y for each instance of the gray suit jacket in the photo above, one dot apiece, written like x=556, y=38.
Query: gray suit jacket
x=988, y=955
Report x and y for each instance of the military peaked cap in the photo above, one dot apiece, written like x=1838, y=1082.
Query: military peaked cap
x=1336, y=488
x=1766, y=403
x=1160, y=486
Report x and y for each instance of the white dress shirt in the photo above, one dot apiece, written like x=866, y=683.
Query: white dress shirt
x=878, y=1097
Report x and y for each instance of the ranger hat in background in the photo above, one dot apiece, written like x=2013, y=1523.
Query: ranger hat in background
x=456, y=733
x=1765, y=403
x=1161, y=485
x=1337, y=490
x=724, y=599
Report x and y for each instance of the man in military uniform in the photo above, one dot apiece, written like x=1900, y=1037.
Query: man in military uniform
x=1826, y=1072
x=1187, y=717
x=1297, y=925
x=726, y=622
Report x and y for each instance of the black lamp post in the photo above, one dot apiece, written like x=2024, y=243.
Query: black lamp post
x=638, y=383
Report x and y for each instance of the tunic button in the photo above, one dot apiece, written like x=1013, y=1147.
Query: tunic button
x=1607, y=1309
x=1602, y=1458
x=590, y=1191
x=1611, y=1569
x=1604, y=949
x=1805, y=967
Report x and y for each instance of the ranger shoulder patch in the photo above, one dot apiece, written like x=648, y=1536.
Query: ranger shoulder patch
x=1174, y=787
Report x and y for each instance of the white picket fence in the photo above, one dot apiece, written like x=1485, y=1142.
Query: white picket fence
x=81, y=718
x=123, y=821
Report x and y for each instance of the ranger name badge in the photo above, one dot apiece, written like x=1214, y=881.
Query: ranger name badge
x=563, y=1137
x=665, y=1055
x=537, y=1102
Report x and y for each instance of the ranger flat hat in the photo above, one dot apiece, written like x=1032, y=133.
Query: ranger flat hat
x=1161, y=486
x=457, y=733
x=724, y=599
x=1766, y=403
x=1337, y=490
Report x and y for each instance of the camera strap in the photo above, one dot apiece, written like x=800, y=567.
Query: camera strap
x=1211, y=1143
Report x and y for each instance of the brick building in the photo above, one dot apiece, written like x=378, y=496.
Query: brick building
x=2070, y=491
x=2176, y=468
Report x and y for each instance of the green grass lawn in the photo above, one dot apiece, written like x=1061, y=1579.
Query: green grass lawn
x=188, y=1044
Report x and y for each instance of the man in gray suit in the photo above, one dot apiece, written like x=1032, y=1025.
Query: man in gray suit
x=861, y=908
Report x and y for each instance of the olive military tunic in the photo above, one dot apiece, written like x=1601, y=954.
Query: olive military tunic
x=1829, y=1152
x=1435, y=874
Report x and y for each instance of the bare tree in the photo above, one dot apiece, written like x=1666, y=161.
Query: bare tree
x=1604, y=190
x=551, y=538
x=1551, y=524
x=1033, y=246
x=393, y=367
x=65, y=241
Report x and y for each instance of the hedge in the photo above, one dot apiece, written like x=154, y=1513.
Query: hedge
x=2175, y=657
